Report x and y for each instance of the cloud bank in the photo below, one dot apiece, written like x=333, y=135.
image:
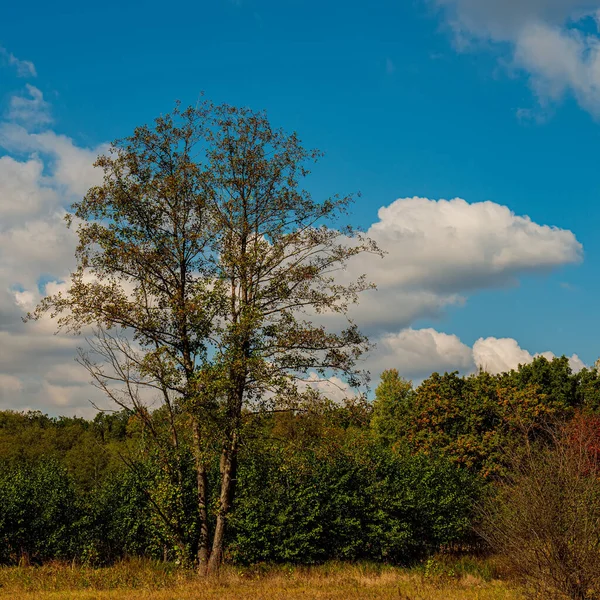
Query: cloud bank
x=41, y=174
x=437, y=253
x=418, y=353
x=30, y=108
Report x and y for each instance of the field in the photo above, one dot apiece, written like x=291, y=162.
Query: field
x=137, y=580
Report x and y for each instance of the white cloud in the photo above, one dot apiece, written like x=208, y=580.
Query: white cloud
x=561, y=60
x=500, y=355
x=41, y=246
x=30, y=109
x=453, y=245
x=25, y=300
x=34, y=349
x=44, y=173
x=24, y=68
x=440, y=250
x=418, y=353
x=500, y=20
x=11, y=389
x=10, y=384
x=40, y=369
x=24, y=190
x=72, y=166
x=548, y=39
x=576, y=363
x=333, y=388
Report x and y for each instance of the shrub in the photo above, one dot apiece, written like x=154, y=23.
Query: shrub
x=38, y=513
x=545, y=517
x=354, y=503
x=116, y=521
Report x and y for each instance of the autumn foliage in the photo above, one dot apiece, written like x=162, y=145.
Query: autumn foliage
x=583, y=437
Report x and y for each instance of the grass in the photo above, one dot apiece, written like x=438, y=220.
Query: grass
x=467, y=579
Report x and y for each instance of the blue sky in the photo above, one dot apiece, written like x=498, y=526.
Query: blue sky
x=430, y=98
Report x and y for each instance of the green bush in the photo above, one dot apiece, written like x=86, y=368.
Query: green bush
x=38, y=513
x=360, y=503
x=116, y=521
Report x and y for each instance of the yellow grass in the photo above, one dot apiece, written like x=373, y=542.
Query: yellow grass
x=143, y=581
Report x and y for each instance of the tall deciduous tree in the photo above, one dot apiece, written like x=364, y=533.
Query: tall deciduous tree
x=202, y=262
x=391, y=407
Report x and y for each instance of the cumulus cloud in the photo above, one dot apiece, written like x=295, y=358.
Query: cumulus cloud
x=9, y=384
x=500, y=355
x=451, y=245
x=72, y=166
x=550, y=39
x=418, y=353
x=333, y=388
x=23, y=188
x=24, y=68
x=440, y=250
x=30, y=108
x=43, y=174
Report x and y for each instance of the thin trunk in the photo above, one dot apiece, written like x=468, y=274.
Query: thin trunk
x=202, y=482
x=228, y=474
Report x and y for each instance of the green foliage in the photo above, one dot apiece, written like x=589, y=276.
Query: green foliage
x=394, y=480
x=38, y=513
x=359, y=501
x=85, y=448
x=393, y=397
x=588, y=381
x=421, y=505
x=553, y=378
x=116, y=521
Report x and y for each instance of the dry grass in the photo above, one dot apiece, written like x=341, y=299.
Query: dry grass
x=136, y=580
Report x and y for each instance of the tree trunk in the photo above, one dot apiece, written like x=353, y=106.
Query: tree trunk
x=203, y=546
x=202, y=483
x=228, y=474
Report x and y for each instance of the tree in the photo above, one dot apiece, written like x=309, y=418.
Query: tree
x=392, y=403
x=38, y=513
x=474, y=419
x=554, y=378
x=589, y=388
x=200, y=263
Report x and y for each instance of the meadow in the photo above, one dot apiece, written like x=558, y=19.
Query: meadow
x=466, y=579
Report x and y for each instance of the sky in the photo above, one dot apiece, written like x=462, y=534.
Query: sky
x=470, y=128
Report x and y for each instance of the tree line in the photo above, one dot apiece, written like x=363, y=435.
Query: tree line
x=393, y=480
